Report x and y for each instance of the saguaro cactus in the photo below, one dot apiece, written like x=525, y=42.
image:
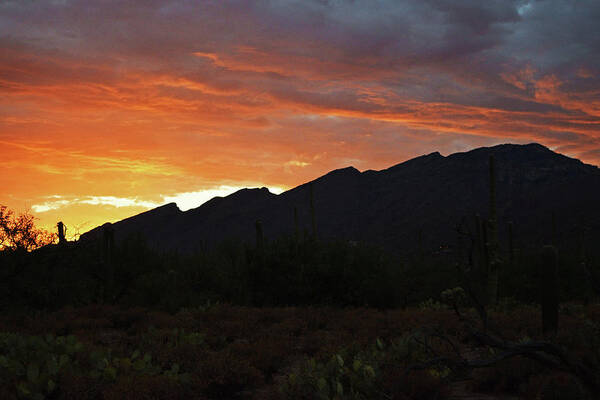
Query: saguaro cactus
x=259, y=235
x=492, y=239
x=480, y=245
x=511, y=245
x=108, y=254
x=61, y=233
x=296, y=226
x=312, y=212
x=554, y=230
x=593, y=282
x=492, y=203
x=549, y=289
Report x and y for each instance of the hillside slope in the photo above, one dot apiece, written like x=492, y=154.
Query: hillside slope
x=429, y=194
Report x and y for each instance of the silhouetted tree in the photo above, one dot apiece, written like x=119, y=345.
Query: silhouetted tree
x=19, y=233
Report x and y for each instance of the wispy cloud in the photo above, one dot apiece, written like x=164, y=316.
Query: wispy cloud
x=49, y=205
x=296, y=163
x=116, y=202
x=184, y=201
x=60, y=202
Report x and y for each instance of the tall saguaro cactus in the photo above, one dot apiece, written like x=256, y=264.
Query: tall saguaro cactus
x=481, y=245
x=108, y=254
x=594, y=284
x=296, y=226
x=259, y=235
x=492, y=239
x=492, y=164
x=61, y=233
x=554, y=230
x=549, y=290
x=511, y=245
x=312, y=212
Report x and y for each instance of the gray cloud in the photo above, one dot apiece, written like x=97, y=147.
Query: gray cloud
x=328, y=54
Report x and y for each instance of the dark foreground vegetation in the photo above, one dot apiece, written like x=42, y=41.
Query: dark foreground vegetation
x=285, y=272
x=288, y=319
x=231, y=352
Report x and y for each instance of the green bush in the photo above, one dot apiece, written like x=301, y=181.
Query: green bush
x=354, y=373
x=32, y=364
x=347, y=374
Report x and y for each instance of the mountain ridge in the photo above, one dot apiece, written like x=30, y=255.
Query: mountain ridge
x=428, y=194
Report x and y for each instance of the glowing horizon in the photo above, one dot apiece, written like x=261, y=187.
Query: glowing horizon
x=110, y=108
x=48, y=212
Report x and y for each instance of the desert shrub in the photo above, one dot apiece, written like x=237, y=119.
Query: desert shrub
x=375, y=372
x=344, y=375
x=32, y=364
x=36, y=367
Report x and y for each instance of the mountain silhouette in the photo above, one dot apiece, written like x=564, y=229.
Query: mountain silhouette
x=548, y=197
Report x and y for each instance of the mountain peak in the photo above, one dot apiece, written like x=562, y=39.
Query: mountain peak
x=344, y=171
x=418, y=161
x=529, y=152
x=513, y=147
x=340, y=174
x=251, y=193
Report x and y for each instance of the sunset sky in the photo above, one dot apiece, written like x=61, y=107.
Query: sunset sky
x=109, y=108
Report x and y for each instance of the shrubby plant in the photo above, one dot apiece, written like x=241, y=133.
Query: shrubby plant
x=35, y=365
x=32, y=364
x=19, y=233
x=354, y=373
